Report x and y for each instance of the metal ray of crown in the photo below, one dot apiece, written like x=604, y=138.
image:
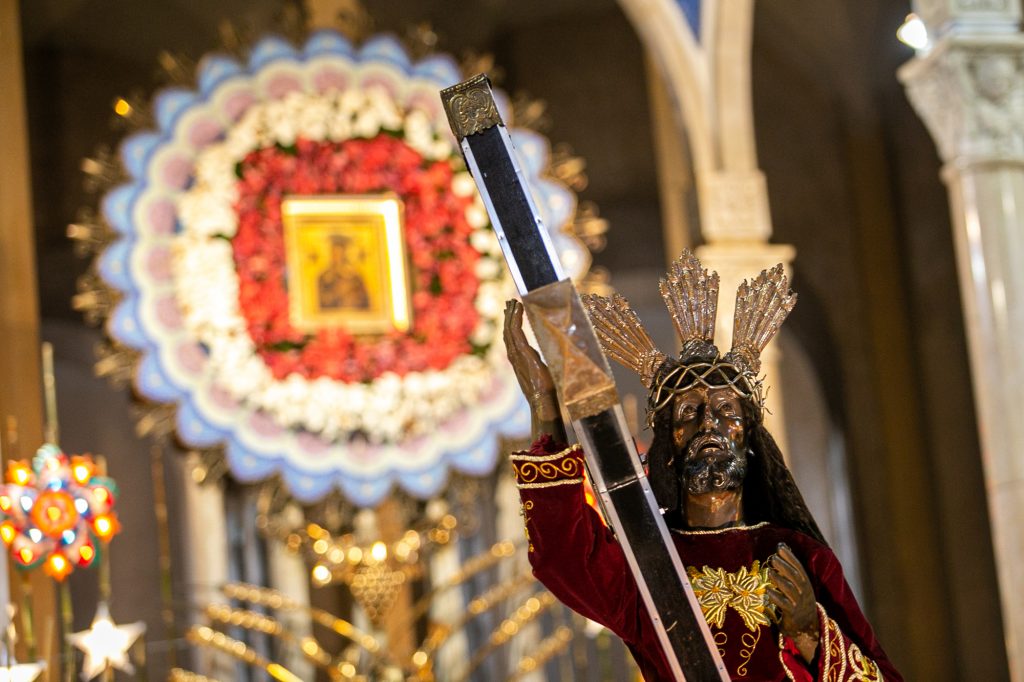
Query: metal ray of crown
x=622, y=335
x=691, y=295
x=761, y=307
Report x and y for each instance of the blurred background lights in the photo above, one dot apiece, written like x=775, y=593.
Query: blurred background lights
x=913, y=32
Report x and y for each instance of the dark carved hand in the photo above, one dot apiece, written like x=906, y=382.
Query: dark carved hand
x=533, y=375
x=791, y=593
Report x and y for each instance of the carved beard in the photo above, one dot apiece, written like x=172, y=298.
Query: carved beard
x=716, y=471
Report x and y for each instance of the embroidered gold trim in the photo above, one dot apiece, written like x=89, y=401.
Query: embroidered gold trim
x=549, y=484
x=527, y=506
x=782, y=660
x=839, y=655
x=744, y=591
x=716, y=531
x=534, y=471
x=527, y=457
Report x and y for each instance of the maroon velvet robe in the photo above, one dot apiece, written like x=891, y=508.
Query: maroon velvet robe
x=576, y=557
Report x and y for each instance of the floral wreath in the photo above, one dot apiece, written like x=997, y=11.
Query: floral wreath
x=388, y=389
x=200, y=266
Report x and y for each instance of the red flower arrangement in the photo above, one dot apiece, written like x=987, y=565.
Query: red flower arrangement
x=444, y=283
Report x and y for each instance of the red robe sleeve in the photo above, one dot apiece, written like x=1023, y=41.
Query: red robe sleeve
x=576, y=557
x=571, y=551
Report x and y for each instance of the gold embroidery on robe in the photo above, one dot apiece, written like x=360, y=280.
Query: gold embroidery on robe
x=842, y=660
x=743, y=591
x=543, y=471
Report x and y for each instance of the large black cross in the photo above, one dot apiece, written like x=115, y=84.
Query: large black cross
x=584, y=383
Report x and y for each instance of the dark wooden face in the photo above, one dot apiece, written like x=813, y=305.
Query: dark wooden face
x=709, y=420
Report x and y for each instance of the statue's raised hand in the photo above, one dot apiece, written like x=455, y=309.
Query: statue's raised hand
x=793, y=596
x=533, y=375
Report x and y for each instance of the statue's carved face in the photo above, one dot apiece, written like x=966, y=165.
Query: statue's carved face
x=710, y=434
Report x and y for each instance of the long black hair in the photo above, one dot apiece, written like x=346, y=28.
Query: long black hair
x=769, y=491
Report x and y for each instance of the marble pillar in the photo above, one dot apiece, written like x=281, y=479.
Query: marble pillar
x=736, y=224
x=205, y=565
x=968, y=86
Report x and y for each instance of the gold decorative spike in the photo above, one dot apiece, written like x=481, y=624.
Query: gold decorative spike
x=235, y=40
x=622, y=335
x=95, y=299
x=115, y=362
x=569, y=168
x=90, y=232
x=178, y=69
x=470, y=107
x=761, y=307
x=103, y=169
x=691, y=296
x=581, y=374
x=347, y=16
x=529, y=112
x=590, y=227
x=154, y=420
x=473, y=62
x=421, y=40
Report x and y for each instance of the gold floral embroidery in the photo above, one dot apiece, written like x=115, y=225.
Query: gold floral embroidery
x=743, y=591
x=527, y=506
x=721, y=639
x=749, y=641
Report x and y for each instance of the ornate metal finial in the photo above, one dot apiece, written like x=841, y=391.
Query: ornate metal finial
x=691, y=296
x=470, y=106
x=761, y=307
x=622, y=335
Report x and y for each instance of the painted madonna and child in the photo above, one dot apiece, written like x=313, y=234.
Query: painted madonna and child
x=771, y=590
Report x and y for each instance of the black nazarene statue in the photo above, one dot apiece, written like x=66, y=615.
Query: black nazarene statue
x=771, y=590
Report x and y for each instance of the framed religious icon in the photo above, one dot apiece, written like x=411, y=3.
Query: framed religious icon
x=346, y=264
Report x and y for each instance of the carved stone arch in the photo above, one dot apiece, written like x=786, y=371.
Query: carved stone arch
x=677, y=54
x=708, y=76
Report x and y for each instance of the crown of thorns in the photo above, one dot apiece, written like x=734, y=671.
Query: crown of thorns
x=691, y=295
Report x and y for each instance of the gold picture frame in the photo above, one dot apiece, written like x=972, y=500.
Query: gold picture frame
x=346, y=265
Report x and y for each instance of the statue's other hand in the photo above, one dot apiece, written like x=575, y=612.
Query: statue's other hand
x=533, y=375
x=791, y=593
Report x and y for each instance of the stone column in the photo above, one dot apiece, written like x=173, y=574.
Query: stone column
x=968, y=86
x=206, y=564
x=737, y=226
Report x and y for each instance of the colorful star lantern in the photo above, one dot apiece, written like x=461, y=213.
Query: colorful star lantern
x=56, y=512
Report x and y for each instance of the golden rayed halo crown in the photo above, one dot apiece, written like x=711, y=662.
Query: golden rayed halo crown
x=690, y=293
